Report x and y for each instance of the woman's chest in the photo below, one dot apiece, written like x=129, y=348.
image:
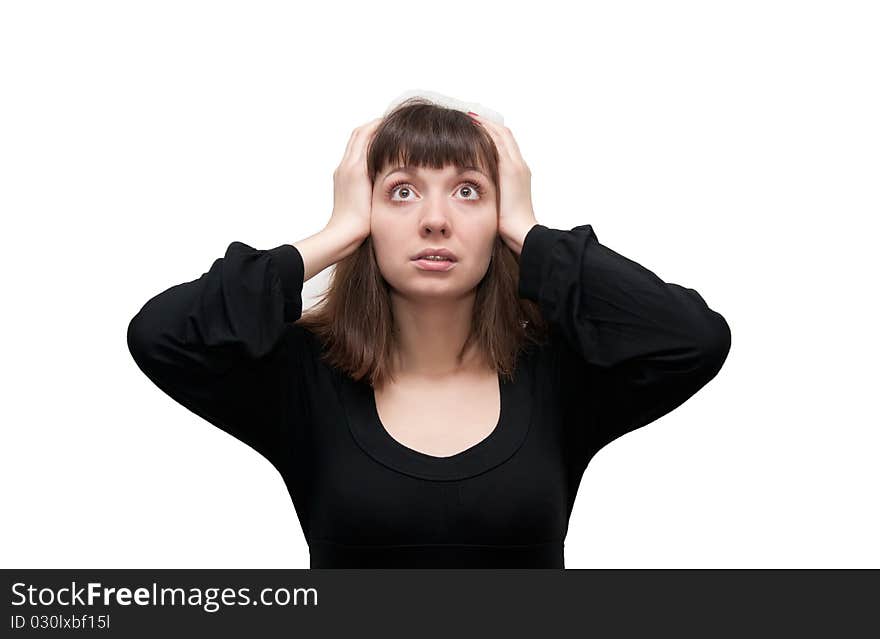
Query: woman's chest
x=442, y=419
x=497, y=475
x=521, y=501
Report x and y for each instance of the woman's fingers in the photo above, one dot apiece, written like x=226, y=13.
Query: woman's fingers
x=492, y=129
x=357, y=141
x=348, y=146
x=365, y=134
x=503, y=138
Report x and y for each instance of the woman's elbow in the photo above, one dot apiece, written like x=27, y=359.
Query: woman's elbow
x=715, y=345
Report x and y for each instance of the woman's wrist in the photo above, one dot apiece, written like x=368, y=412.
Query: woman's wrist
x=515, y=237
x=347, y=237
x=326, y=247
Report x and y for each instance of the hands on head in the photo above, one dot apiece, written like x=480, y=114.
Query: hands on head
x=516, y=216
x=353, y=190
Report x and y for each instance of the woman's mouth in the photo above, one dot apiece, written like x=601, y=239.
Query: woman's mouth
x=427, y=264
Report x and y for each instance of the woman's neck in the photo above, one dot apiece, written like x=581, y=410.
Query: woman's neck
x=428, y=336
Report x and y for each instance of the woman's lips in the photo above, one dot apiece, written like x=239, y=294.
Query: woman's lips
x=434, y=265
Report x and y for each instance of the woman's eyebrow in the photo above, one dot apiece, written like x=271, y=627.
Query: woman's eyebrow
x=412, y=170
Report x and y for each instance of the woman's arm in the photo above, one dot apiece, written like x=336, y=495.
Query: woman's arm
x=630, y=346
x=224, y=345
x=326, y=247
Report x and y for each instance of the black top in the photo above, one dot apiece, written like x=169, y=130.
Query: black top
x=625, y=348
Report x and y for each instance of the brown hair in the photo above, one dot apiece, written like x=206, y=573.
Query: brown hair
x=353, y=319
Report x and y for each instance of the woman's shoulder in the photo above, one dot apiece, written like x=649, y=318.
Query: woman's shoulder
x=309, y=353
x=543, y=351
x=302, y=347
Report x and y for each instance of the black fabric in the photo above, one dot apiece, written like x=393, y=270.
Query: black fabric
x=625, y=349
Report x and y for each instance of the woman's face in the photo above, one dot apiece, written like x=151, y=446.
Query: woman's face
x=418, y=208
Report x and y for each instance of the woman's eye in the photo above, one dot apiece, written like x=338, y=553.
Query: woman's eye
x=400, y=189
x=469, y=190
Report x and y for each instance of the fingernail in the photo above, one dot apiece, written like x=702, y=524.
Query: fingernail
x=472, y=113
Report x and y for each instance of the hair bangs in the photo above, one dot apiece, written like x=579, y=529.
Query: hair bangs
x=419, y=133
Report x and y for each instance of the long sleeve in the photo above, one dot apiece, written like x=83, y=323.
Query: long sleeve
x=630, y=347
x=223, y=345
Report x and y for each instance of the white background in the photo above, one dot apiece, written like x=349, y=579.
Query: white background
x=729, y=147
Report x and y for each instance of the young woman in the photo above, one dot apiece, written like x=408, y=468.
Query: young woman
x=431, y=411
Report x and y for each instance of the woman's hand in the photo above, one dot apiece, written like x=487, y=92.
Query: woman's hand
x=352, y=190
x=516, y=216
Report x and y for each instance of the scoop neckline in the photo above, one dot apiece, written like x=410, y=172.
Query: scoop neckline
x=377, y=419
x=498, y=446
